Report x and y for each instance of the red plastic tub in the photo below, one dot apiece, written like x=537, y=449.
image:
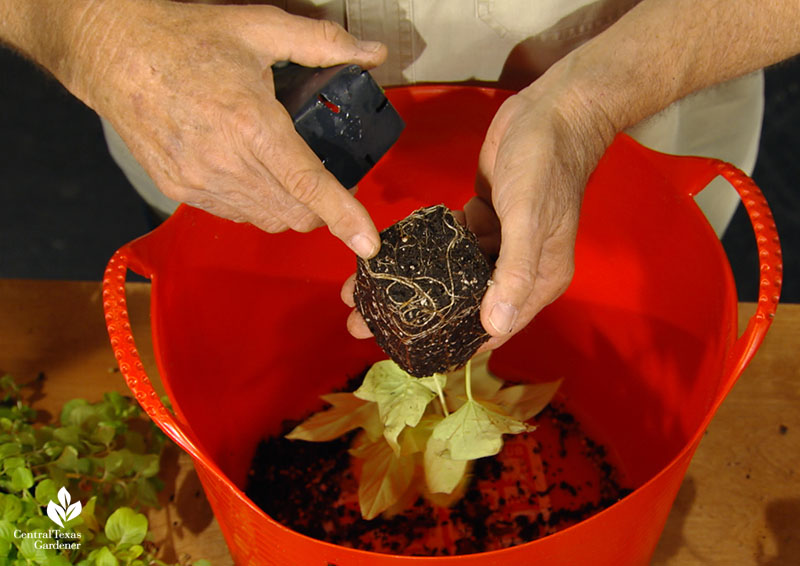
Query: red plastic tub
x=249, y=330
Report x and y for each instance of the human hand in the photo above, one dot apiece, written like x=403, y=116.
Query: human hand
x=534, y=163
x=190, y=90
x=537, y=156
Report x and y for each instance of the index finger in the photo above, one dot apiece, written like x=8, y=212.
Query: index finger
x=295, y=166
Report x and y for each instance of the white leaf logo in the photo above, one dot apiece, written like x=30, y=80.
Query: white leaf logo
x=64, y=512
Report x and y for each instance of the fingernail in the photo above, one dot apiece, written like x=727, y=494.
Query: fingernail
x=502, y=317
x=370, y=46
x=363, y=246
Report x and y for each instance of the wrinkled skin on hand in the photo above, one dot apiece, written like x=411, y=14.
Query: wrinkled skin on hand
x=533, y=167
x=190, y=90
x=538, y=153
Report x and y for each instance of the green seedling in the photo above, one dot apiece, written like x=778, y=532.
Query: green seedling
x=419, y=436
x=75, y=492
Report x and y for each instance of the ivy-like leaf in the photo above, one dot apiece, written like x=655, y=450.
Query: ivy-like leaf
x=88, y=515
x=104, y=434
x=46, y=491
x=71, y=461
x=31, y=551
x=523, y=402
x=10, y=464
x=442, y=473
x=385, y=477
x=6, y=531
x=9, y=449
x=414, y=439
x=146, y=465
x=474, y=431
x=10, y=507
x=69, y=435
x=63, y=456
x=347, y=413
x=104, y=557
x=401, y=398
x=130, y=554
x=21, y=478
x=75, y=412
x=122, y=407
x=126, y=526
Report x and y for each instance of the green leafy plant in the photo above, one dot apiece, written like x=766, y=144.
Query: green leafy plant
x=419, y=435
x=101, y=454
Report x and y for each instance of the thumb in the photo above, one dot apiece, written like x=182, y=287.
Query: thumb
x=311, y=42
x=504, y=304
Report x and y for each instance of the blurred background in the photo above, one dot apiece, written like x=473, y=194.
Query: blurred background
x=65, y=207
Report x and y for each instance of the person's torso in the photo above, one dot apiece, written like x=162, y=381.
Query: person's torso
x=509, y=42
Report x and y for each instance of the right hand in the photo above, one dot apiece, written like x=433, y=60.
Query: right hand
x=190, y=90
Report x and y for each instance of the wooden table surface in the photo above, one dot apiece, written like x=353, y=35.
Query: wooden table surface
x=739, y=504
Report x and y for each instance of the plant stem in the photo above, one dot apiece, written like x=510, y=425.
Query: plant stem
x=441, y=396
x=468, y=379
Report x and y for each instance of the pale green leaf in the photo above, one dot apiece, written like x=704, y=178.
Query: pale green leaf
x=6, y=531
x=21, y=478
x=46, y=491
x=414, y=439
x=71, y=462
x=69, y=435
x=75, y=412
x=524, y=402
x=442, y=473
x=126, y=526
x=9, y=449
x=10, y=464
x=52, y=448
x=385, y=477
x=347, y=413
x=401, y=398
x=28, y=549
x=122, y=406
x=57, y=560
x=104, y=557
x=10, y=507
x=484, y=383
x=474, y=431
x=130, y=554
x=88, y=515
x=118, y=463
x=146, y=465
x=104, y=434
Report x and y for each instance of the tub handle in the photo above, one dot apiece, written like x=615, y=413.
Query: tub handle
x=695, y=173
x=770, y=270
x=130, y=363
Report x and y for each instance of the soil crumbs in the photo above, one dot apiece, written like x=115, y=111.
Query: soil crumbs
x=540, y=483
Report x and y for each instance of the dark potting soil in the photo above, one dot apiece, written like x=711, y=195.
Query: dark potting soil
x=421, y=294
x=540, y=483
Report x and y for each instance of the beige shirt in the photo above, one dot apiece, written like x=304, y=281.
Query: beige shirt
x=510, y=43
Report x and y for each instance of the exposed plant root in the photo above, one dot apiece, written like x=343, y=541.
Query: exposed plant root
x=421, y=294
